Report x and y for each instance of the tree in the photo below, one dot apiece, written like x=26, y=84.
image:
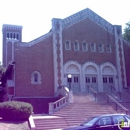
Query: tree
x=2, y=83
x=126, y=34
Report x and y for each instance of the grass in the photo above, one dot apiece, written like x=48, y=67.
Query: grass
x=13, y=125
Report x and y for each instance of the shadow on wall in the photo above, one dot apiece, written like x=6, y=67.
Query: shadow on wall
x=40, y=105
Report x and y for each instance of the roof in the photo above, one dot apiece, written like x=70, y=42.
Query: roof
x=87, y=13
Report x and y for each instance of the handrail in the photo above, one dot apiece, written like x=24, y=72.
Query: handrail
x=55, y=106
x=117, y=103
x=95, y=93
x=119, y=93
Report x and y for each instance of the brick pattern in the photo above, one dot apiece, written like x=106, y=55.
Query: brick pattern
x=127, y=62
x=30, y=59
x=88, y=31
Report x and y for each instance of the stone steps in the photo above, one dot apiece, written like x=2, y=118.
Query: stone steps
x=75, y=113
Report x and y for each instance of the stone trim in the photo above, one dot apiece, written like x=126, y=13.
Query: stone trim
x=87, y=13
x=38, y=78
x=35, y=41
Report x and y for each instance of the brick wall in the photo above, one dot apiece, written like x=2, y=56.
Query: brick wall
x=127, y=62
x=87, y=30
x=38, y=57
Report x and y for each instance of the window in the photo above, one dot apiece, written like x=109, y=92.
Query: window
x=7, y=35
x=101, y=47
x=118, y=118
x=76, y=45
x=84, y=46
x=93, y=47
x=104, y=79
x=75, y=79
x=17, y=36
x=67, y=45
x=14, y=35
x=108, y=48
x=93, y=79
x=11, y=35
x=104, y=121
x=36, y=78
x=87, y=79
x=110, y=80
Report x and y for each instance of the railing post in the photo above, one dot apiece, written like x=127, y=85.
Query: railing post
x=95, y=97
x=51, y=108
x=71, y=97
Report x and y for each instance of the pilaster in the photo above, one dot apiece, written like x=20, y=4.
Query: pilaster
x=57, y=53
x=121, y=71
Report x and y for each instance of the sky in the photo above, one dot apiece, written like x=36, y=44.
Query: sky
x=35, y=15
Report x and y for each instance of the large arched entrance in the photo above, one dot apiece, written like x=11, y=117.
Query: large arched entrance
x=90, y=73
x=91, y=77
x=74, y=69
x=109, y=76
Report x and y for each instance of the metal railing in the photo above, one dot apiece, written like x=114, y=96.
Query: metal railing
x=55, y=106
x=116, y=103
x=93, y=91
x=115, y=90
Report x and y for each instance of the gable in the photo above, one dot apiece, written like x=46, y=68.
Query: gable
x=87, y=13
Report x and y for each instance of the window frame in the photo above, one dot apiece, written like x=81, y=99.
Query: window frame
x=69, y=45
x=94, y=47
x=110, y=49
x=77, y=45
x=33, y=77
x=86, y=47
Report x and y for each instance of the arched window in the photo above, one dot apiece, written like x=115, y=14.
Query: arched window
x=101, y=47
x=14, y=36
x=93, y=47
x=17, y=36
x=36, y=77
x=11, y=35
x=108, y=48
x=76, y=45
x=67, y=45
x=7, y=35
x=84, y=46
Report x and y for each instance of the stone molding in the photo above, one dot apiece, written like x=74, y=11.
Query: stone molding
x=87, y=13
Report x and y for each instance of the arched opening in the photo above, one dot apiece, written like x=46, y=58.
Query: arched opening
x=108, y=78
x=73, y=78
x=91, y=77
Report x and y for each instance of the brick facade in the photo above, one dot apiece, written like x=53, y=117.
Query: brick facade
x=42, y=65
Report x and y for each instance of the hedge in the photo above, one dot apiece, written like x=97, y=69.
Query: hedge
x=15, y=110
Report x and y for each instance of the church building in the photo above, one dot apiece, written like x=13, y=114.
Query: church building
x=79, y=51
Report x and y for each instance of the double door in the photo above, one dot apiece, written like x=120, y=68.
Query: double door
x=107, y=82
x=91, y=80
x=73, y=83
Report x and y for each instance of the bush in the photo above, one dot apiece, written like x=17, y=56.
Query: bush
x=15, y=110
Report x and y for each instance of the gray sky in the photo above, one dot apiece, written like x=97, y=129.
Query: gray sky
x=35, y=15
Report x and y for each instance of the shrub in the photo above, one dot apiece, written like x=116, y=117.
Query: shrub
x=15, y=110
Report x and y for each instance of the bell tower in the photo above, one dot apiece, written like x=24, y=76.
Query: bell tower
x=11, y=35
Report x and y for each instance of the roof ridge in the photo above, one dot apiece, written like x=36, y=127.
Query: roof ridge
x=35, y=41
x=87, y=13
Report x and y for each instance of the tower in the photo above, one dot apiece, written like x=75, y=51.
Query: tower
x=11, y=35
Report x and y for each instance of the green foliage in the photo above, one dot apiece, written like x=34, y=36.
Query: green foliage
x=126, y=34
x=15, y=110
x=2, y=83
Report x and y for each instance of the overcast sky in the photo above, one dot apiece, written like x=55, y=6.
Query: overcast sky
x=35, y=15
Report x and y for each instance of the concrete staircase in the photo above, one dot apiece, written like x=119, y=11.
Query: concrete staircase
x=73, y=114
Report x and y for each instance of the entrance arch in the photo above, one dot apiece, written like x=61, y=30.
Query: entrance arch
x=74, y=69
x=108, y=76
x=90, y=75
